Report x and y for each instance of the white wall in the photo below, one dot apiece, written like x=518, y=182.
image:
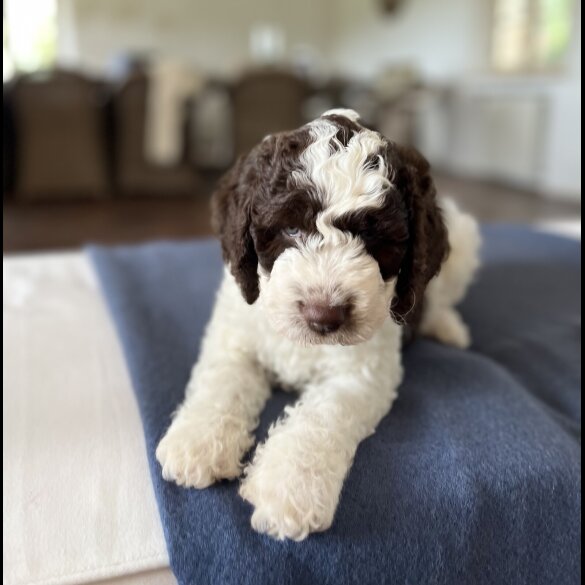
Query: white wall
x=212, y=35
x=562, y=161
x=444, y=38
x=533, y=142
x=525, y=131
x=448, y=40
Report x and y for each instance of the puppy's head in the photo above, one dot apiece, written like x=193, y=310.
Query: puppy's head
x=331, y=228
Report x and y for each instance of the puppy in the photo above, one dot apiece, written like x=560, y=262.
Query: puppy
x=335, y=247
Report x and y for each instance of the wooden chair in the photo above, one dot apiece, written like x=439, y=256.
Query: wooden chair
x=60, y=137
x=265, y=101
x=134, y=174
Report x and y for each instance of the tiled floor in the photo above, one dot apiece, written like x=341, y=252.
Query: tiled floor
x=70, y=225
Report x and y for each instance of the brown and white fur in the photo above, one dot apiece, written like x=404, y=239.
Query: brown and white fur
x=335, y=245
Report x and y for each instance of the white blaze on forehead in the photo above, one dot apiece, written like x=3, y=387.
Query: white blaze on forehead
x=339, y=173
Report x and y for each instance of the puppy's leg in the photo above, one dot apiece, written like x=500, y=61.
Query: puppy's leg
x=213, y=429
x=296, y=477
x=440, y=318
x=446, y=325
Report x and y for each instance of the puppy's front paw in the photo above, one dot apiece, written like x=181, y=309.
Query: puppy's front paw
x=290, y=499
x=288, y=507
x=202, y=448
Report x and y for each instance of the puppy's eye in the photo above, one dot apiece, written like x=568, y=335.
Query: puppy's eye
x=292, y=232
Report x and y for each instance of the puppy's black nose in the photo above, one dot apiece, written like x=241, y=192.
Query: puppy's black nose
x=323, y=318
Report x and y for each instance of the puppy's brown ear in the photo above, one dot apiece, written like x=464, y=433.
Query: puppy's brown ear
x=231, y=206
x=428, y=244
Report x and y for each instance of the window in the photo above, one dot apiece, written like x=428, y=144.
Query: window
x=531, y=35
x=30, y=34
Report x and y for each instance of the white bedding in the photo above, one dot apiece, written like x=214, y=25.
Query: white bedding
x=78, y=505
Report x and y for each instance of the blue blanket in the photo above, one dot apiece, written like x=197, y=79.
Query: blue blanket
x=475, y=475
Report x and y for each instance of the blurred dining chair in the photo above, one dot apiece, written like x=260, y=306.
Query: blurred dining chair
x=134, y=173
x=7, y=141
x=266, y=100
x=60, y=137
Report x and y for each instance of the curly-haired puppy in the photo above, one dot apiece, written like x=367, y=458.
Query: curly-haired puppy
x=335, y=248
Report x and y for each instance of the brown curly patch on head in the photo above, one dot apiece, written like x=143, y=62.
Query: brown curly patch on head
x=297, y=209
x=255, y=201
x=428, y=244
x=347, y=129
x=383, y=230
x=230, y=216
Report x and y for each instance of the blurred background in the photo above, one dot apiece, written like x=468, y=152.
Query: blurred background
x=120, y=115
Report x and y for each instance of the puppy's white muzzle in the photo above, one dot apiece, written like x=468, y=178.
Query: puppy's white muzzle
x=326, y=291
